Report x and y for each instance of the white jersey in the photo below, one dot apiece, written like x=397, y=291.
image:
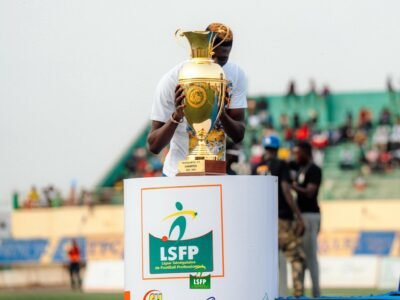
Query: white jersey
x=164, y=107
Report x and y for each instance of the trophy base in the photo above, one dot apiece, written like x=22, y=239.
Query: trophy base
x=201, y=167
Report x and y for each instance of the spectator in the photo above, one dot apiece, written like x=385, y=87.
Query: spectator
x=380, y=138
x=394, y=137
x=389, y=85
x=359, y=183
x=385, y=159
x=390, y=90
x=254, y=121
x=252, y=106
x=291, y=225
x=346, y=131
x=262, y=104
x=313, y=118
x=365, y=119
x=283, y=121
x=74, y=260
x=49, y=195
x=319, y=141
x=15, y=200
x=303, y=133
x=291, y=92
x=296, y=120
x=347, y=159
x=372, y=157
x=312, y=92
x=307, y=186
x=360, y=137
x=33, y=198
x=269, y=130
x=326, y=92
x=349, y=118
x=256, y=153
x=87, y=198
x=334, y=136
x=385, y=117
x=72, y=192
x=266, y=118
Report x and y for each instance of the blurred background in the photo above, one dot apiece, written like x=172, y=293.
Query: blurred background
x=76, y=86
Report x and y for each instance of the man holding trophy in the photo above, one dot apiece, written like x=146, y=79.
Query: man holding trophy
x=196, y=103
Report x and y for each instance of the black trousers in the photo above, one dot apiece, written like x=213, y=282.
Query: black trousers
x=75, y=275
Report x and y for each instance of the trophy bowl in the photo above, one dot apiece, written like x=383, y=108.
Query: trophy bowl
x=204, y=85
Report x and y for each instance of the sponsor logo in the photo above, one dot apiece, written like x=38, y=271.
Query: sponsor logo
x=172, y=253
x=153, y=295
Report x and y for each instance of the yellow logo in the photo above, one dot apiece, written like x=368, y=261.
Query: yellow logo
x=196, y=96
x=153, y=295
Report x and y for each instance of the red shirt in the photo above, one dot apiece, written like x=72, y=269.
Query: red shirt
x=74, y=254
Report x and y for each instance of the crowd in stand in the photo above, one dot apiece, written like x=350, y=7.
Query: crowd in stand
x=367, y=147
x=51, y=196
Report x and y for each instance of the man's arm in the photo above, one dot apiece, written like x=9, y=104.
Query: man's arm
x=293, y=206
x=161, y=133
x=233, y=122
x=309, y=191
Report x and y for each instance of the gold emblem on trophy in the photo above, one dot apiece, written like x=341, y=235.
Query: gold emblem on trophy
x=204, y=85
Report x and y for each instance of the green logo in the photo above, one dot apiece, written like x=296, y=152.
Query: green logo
x=181, y=255
x=200, y=282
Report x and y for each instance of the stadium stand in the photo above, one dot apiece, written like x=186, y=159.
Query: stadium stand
x=356, y=137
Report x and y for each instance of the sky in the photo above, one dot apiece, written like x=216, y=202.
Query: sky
x=77, y=76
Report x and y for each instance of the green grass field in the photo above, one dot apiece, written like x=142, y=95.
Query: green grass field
x=65, y=295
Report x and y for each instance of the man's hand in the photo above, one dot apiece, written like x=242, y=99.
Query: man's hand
x=227, y=97
x=161, y=133
x=300, y=227
x=179, y=104
x=227, y=101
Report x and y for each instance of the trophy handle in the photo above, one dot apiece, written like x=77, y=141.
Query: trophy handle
x=228, y=30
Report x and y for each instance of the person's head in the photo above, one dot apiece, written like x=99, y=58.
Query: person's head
x=271, y=145
x=303, y=152
x=224, y=33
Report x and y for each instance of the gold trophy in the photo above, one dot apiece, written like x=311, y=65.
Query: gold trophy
x=204, y=85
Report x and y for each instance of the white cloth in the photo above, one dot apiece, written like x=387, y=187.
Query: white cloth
x=163, y=108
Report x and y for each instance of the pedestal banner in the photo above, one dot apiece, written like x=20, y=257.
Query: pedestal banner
x=201, y=238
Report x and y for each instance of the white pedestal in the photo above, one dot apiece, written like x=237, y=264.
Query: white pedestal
x=220, y=229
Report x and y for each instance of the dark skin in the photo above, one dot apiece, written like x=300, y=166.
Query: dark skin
x=303, y=159
x=232, y=119
x=300, y=227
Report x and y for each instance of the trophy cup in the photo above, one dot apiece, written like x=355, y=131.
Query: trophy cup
x=204, y=85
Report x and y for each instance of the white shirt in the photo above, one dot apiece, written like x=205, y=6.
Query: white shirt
x=164, y=106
